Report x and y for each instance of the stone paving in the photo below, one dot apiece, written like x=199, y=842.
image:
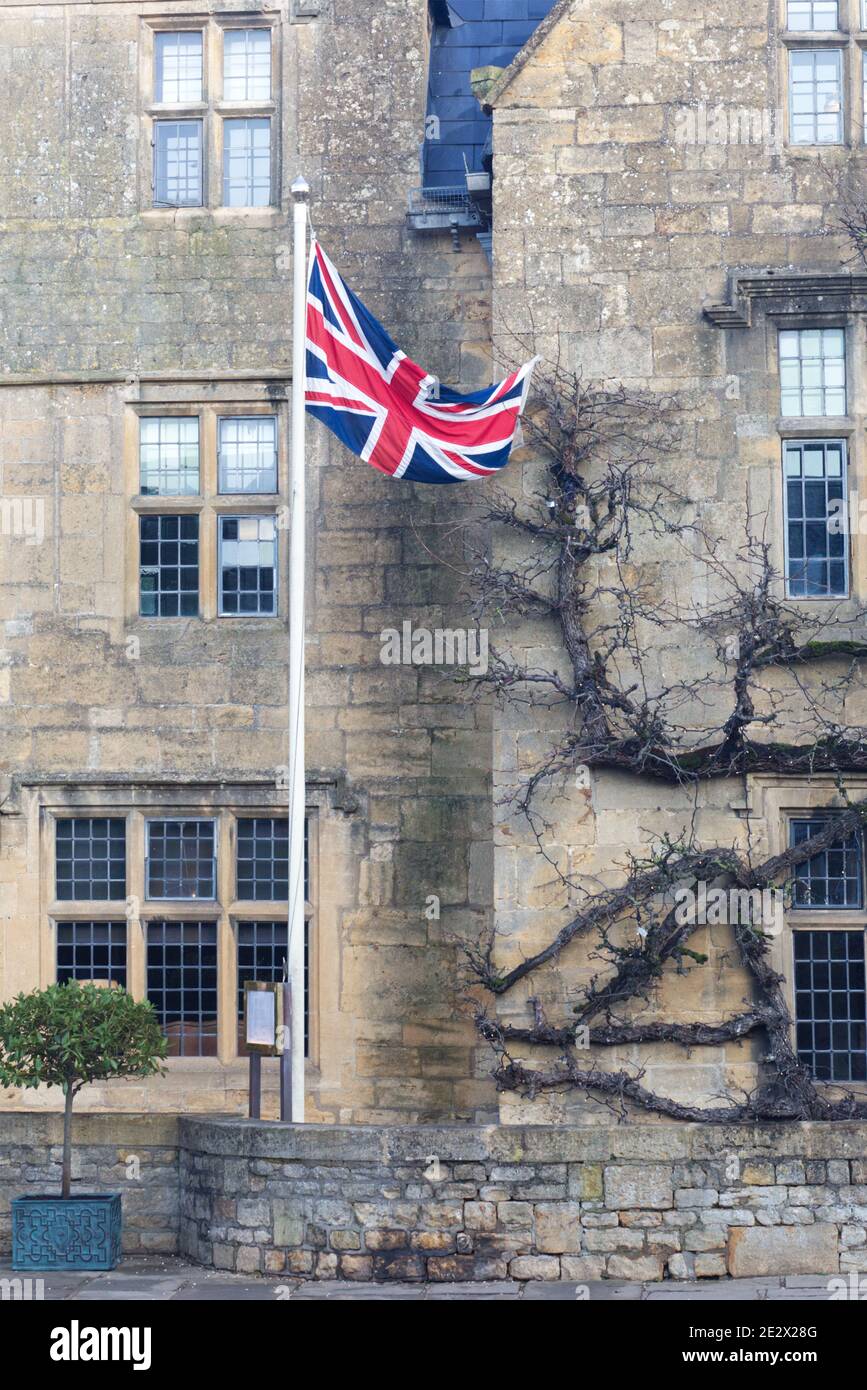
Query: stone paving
x=164, y=1279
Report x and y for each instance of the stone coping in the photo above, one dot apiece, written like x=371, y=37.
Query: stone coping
x=238, y=1138
x=233, y=1136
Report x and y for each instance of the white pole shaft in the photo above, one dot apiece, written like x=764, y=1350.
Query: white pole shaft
x=297, y=579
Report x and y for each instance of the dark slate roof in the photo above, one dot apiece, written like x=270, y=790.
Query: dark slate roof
x=480, y=33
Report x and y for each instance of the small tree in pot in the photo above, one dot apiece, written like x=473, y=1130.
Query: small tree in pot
x=69, y=1035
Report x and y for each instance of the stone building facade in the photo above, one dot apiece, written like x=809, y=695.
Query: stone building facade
x=668, y=189
x=637, y=232
x=141, y=336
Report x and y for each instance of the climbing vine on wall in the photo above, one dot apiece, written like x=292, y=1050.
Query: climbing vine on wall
x=773, y=700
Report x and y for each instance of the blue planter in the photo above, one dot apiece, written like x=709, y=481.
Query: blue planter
x=73, y=1233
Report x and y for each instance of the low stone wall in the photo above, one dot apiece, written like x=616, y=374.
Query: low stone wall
x=136, y=1155
x=462, y=1202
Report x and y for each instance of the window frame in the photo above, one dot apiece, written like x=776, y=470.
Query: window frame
x=232, y=401
x=224, y=419
x=70, y=820
x=241, y=975
x=799, y=1020
x=215, y=874
x=247, y=25
x=799, y=329
x=822, y=908
x=812, y=918
x=176, y=31
x=211, y=111
x=236, y=860
x=205, y=922
x=259, y=613
x=248, y=121
x=168, y=514
x=71, y=924
x=801, y=440
x=226, y=909
x=812, y=29
x=160, y=420
x=162, y=123
x=817, y=52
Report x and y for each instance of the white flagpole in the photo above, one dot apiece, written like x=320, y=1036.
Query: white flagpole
x=297, y=579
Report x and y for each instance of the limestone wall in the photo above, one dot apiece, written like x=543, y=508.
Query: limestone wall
x=464, y=1202
x=107, y=304
x=642, y=164
x=135, y=1155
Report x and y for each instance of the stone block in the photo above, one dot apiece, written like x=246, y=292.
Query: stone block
x=515, y=1214
x=289, y=1220
x=638, y=1185
x=534, y=1267
x=249, y=1260
x=703, y=1240
x=254, y=1211
x=838, y=1173
x=582, y=1267
x=398, y=1267
x=448, y=1268
x=590, y=1182
x=480, y=1216
x=758, y=1172
x=345, y=1240
x=432, y=1240
x=358, y=1267
x=851, y=1236
x=783, y=1250
x=793, y=1171
x=558, y=1227
x=695, y=1197
x=326, y=1265
x=619, y=1239
x=635, y=1267
x=393, y=1239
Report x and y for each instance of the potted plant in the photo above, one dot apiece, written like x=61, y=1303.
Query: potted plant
x=66, y=1036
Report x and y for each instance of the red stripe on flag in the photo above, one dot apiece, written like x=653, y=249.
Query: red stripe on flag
x=337, y=303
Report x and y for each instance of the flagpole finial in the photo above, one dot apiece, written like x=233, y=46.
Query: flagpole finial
x=300, y=189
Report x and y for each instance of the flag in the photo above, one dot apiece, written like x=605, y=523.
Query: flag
x=388, y=410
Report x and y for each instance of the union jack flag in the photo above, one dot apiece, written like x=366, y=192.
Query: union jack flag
x=388, y=410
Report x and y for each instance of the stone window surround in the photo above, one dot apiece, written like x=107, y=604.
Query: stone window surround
x=773, y=802
x=850, y=428
x=211, y=110
x=137, y=805
x=851, y=39
x=768, y=303
x=209, y=503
